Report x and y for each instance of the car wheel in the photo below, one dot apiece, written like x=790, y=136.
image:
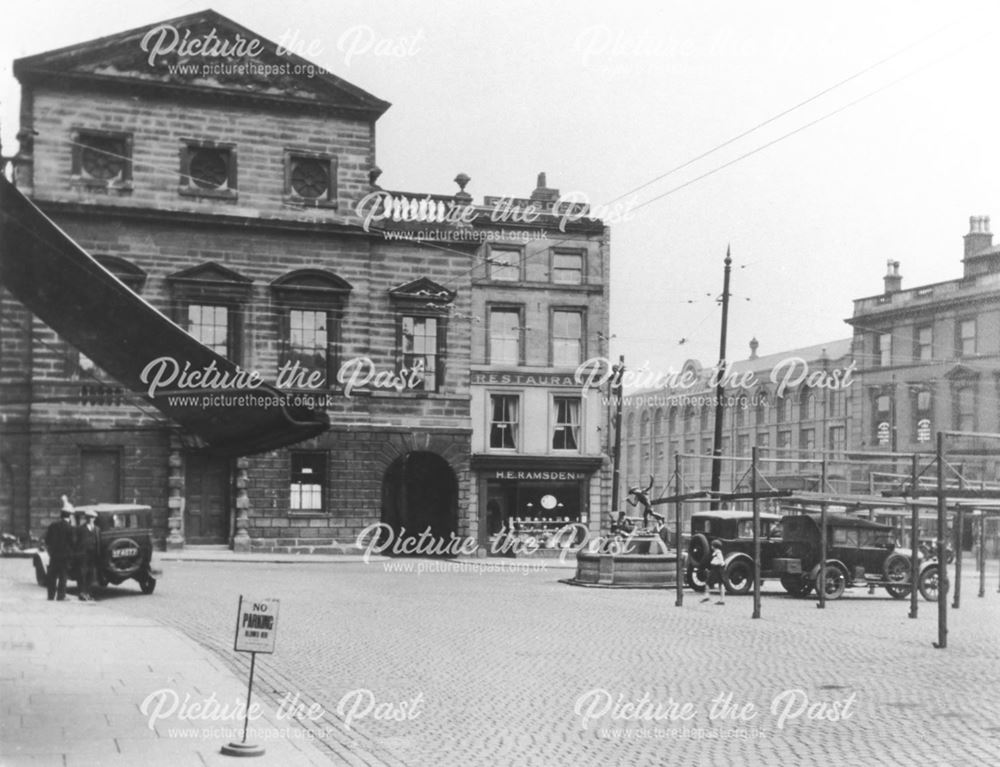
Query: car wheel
x=796, y=585
x=929, y=583
x=148, y=584
x=698, y=549
x=696, y=578
x=836, y=582
x=738, y=577
x=897, y=572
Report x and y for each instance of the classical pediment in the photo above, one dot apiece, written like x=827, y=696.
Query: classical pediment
x=961, y=371
x=202, y=54
x=210, y=272
x=423, y=289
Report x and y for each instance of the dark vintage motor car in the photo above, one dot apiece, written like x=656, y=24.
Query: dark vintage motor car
x=734, y=531
x=858, y=553
x=126, y=546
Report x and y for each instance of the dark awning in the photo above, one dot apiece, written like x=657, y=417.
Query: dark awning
x=96, y=313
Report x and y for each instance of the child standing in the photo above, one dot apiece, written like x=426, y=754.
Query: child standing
x=715, y=573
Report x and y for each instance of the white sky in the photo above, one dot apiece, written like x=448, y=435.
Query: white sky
x=607, y=96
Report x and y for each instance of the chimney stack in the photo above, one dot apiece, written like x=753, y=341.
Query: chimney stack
x=979, y=237
x=893, y=279
x=544, y=195
x=753, y=348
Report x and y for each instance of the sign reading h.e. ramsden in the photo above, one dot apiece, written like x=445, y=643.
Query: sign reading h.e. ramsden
x=256, y=625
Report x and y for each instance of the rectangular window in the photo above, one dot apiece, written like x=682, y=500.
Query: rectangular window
x=308, y=339
x=567, y=338
x=784, y=440
x=504, y=421
x=923, y=350
x=882, y=420
x=208, y=169
x=566, y=430
x=763, y=439
x=923, y=412
x=742, y=444
x=966, y=340
x=567, y=268
x=837, y=440
x=885, y=350
x=419, y=339
x=505, y=336
x=210, y=325
x=965, y=409
x=307, y=482
x=504, y=265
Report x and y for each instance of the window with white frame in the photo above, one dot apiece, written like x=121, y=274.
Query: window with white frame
x=567, y=268
x=209, y=324
x=965, y=341
x=885, y=350
x=308, y=478
x=420, y=348
x=504, y=421
x=566, y=428
x=504, y=264
x=505, y=336
x=923, y=347
x=567, y=337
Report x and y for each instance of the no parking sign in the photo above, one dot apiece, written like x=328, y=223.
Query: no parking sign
x=256, y=625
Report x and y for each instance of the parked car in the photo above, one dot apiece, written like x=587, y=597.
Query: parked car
x=734, y=531
x=126, y=546
x=858, y=552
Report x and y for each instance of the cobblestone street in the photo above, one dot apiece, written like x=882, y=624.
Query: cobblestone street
x=510, y=667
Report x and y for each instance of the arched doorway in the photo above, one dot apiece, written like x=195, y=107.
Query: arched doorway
x=420, y=491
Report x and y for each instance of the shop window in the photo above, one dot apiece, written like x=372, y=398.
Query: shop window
x=311, y=179
x=567, y=337
x=504, y=421
x=504, y=264
x=505, y=336
x=566, y=429
x=208, y=169
x=567, y=268
x=102, y=160
x=422, y=347
x=307, y=482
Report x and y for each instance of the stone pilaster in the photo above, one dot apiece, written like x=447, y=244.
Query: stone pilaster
x=175, y=500
x=241, y=540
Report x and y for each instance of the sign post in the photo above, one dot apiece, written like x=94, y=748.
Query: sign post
x=256, y=629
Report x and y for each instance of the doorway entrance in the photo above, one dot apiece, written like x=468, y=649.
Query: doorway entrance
x=420, y=492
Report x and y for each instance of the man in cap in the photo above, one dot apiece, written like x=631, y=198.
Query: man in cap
x=59, y=543
x=87, y=548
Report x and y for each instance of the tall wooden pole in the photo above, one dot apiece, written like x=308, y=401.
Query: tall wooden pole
x=720, y=386
x=678, y=489
x=616, y=393
x=756, y=533
x=942, y=523
x=914, y=537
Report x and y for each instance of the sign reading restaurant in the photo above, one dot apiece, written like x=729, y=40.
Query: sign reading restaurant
x=515, y=378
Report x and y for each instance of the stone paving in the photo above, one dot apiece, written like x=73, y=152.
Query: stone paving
x=472, y=664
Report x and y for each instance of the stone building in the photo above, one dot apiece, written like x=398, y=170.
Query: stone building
x=929, y=361
x=238, y=195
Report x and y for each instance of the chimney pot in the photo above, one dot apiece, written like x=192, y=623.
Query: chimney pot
x=893, y=280
x=754, y=344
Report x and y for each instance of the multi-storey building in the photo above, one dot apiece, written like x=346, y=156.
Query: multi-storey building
x=929, y=361
x=788, y=404
x=237, y=194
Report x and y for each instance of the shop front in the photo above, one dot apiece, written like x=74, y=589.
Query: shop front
x=527, y=500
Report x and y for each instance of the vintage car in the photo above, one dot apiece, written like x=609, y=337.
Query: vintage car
x=734, y=531
x=858, y=553
x=126, y=546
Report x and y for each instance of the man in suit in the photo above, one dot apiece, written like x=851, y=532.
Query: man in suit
x=59, y=542
x=87, y=550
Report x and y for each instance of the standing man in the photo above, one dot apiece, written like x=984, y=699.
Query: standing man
x=87, y=548
x=59, y=543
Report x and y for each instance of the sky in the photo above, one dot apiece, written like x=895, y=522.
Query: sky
x=894, y=150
